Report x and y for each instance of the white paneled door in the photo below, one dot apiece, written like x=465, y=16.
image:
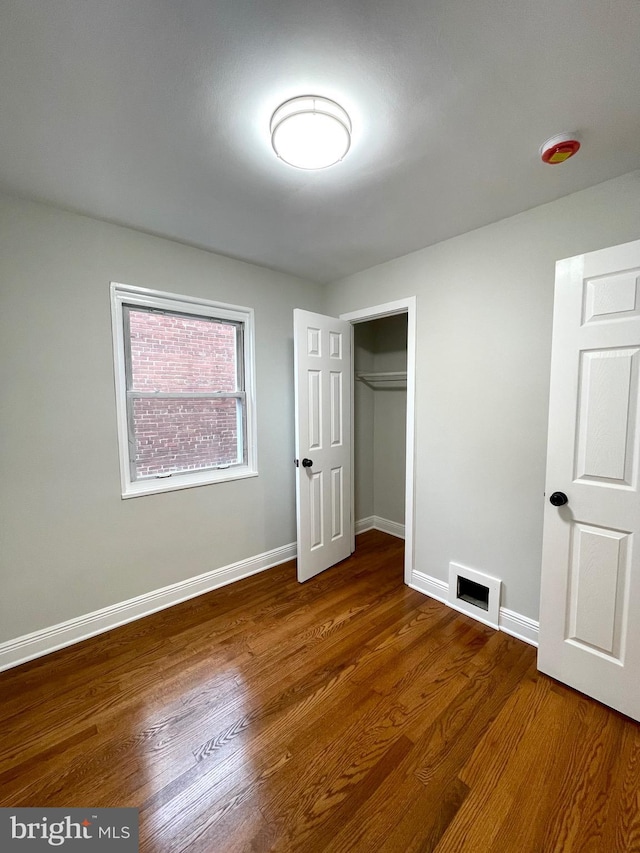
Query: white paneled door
x=322, y=357
x=590, y=603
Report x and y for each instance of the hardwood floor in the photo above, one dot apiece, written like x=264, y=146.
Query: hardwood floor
x=350, y=713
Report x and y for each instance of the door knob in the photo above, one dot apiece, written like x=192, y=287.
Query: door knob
x=307, y=463
x=557, y=498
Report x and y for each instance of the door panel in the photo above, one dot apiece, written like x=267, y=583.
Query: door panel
x=337, y=503
x=314, y=427
x=336, y=408
x=316, y=508
x=606, y=421
x=590, y=595
x=322, y=356
x=597, y=600
x=612, y=296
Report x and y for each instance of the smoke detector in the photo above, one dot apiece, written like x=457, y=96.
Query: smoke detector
x=559, y=148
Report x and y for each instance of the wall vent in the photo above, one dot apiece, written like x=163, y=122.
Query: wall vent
x=475, y=593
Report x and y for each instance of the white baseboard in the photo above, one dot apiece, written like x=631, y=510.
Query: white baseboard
x=512, y=623
x=365, y=524
x=375, y=522
x=387, y=526
x=47, y=640
x=519, y=626
x=433, y=587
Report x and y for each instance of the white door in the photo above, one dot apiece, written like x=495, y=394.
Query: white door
x=590, y=604
x=322, y=357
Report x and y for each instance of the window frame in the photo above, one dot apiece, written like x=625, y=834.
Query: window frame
x=124, y=295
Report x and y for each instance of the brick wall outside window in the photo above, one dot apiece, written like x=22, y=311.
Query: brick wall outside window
x=172, y=353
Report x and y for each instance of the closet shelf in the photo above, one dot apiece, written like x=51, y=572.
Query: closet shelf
x=395, y=379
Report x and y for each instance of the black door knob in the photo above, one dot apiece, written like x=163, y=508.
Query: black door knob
x=307, y=463
x=557, y=498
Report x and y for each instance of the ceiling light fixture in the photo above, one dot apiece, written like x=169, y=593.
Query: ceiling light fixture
x=310, y=132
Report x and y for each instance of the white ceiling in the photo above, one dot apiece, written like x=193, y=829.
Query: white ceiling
x=155, y=113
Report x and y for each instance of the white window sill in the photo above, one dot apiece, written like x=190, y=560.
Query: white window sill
x=156, y=485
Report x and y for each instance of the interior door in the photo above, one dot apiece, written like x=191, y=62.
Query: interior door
x=590, y=602
x=322, y=356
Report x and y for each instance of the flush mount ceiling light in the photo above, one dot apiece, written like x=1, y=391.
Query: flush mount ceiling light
x=310, y=132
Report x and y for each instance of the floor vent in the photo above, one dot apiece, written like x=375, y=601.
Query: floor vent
x=475, y=593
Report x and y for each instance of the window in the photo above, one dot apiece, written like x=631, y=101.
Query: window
x=184, y=390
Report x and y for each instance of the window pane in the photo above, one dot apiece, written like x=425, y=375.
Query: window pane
x=170, y=352
x=185, y=435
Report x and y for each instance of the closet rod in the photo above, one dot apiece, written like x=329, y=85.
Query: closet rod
x=380, y=378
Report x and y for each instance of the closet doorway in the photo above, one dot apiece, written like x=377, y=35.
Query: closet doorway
x=383, y=421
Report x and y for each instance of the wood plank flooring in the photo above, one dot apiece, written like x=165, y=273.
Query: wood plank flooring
x=350, y=713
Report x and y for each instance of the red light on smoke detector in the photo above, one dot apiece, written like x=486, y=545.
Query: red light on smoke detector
x=559, y=148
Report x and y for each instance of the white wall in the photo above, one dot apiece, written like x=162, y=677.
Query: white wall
x=70, y=544
x=484, y=312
